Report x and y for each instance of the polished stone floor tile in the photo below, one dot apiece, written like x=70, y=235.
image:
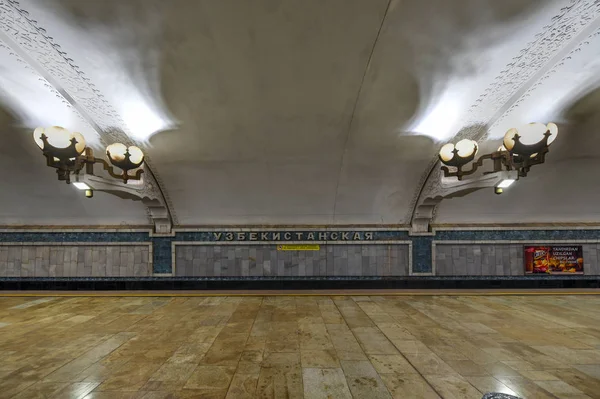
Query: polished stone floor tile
x=325, y=383
x=525, y=388
x=559, y=388
x=42, y=390
x=373, y=341
x=210, y=377
x=363, y=380
x=130, y=377
x=243, y=386
x=453, y=387
x=391, y=364
x=489, y=384
x=300, y=347
x=283, y=381
x=592, y=370
x=320, y=359
x=429, y=363
x=174, y=372
x=467, y=368
x=407, y=386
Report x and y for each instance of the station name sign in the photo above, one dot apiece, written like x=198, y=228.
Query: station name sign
x=293, y=236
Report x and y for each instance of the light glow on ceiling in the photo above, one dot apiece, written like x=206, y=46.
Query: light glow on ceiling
x=120, y=59
x=556, y=91
x=27, y=95
x=441, y=121
x=142, y=121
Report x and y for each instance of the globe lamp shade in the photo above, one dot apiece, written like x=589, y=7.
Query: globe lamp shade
x=123, y=157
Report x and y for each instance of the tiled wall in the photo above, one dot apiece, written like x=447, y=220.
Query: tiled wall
x=495, y=259
x=591, y=254
x=387, y=252
x=266, y=260
x=75, y=261
x=479, y=260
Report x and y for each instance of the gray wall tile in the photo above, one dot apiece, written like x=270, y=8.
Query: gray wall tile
x=265, y=260
x=73, y=261
x=496, y=259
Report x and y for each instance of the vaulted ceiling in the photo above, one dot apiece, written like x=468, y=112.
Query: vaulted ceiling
x=299, y=112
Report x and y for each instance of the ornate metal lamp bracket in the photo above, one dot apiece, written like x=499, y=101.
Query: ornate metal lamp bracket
x=145, y=189
x=90, y=161
x=430, y=199
x=513, y=159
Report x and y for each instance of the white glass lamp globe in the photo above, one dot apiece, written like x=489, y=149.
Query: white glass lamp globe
x=116, y=152
x=447, y=152
x=136, y=155
x=509, y=141
x=553, y=129
x=59, y=137
x=466, y=148
x=530, y=134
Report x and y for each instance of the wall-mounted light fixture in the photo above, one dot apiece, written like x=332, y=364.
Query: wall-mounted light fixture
x=67, y=153
x=522, y=148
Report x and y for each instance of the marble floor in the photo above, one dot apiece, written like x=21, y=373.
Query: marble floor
x=300, y=346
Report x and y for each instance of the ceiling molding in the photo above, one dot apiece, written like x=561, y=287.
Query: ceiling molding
x=41, y=55
x=591, y=32
x=568, y=32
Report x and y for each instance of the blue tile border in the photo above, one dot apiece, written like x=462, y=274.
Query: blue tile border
x=161, y=252
x=537, y=235
x=421, y=245
x=75, y=237
x=422, y=254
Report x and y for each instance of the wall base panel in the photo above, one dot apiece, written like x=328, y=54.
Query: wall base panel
x=328, y=283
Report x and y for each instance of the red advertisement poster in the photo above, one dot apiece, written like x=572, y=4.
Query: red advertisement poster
x=564, y=259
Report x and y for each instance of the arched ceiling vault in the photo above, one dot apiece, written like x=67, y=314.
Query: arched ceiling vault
x=286, y=112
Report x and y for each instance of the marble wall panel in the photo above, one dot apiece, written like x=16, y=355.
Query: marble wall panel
x=266, y=260
x=75, y=261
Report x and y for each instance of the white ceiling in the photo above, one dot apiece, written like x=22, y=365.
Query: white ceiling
x=287, y=112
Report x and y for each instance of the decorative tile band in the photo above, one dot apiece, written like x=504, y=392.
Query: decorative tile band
x=72, y=230
x=540, y=242
x=75, y=237
x=513, y=234
x=71, y=243
x=516, y=227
